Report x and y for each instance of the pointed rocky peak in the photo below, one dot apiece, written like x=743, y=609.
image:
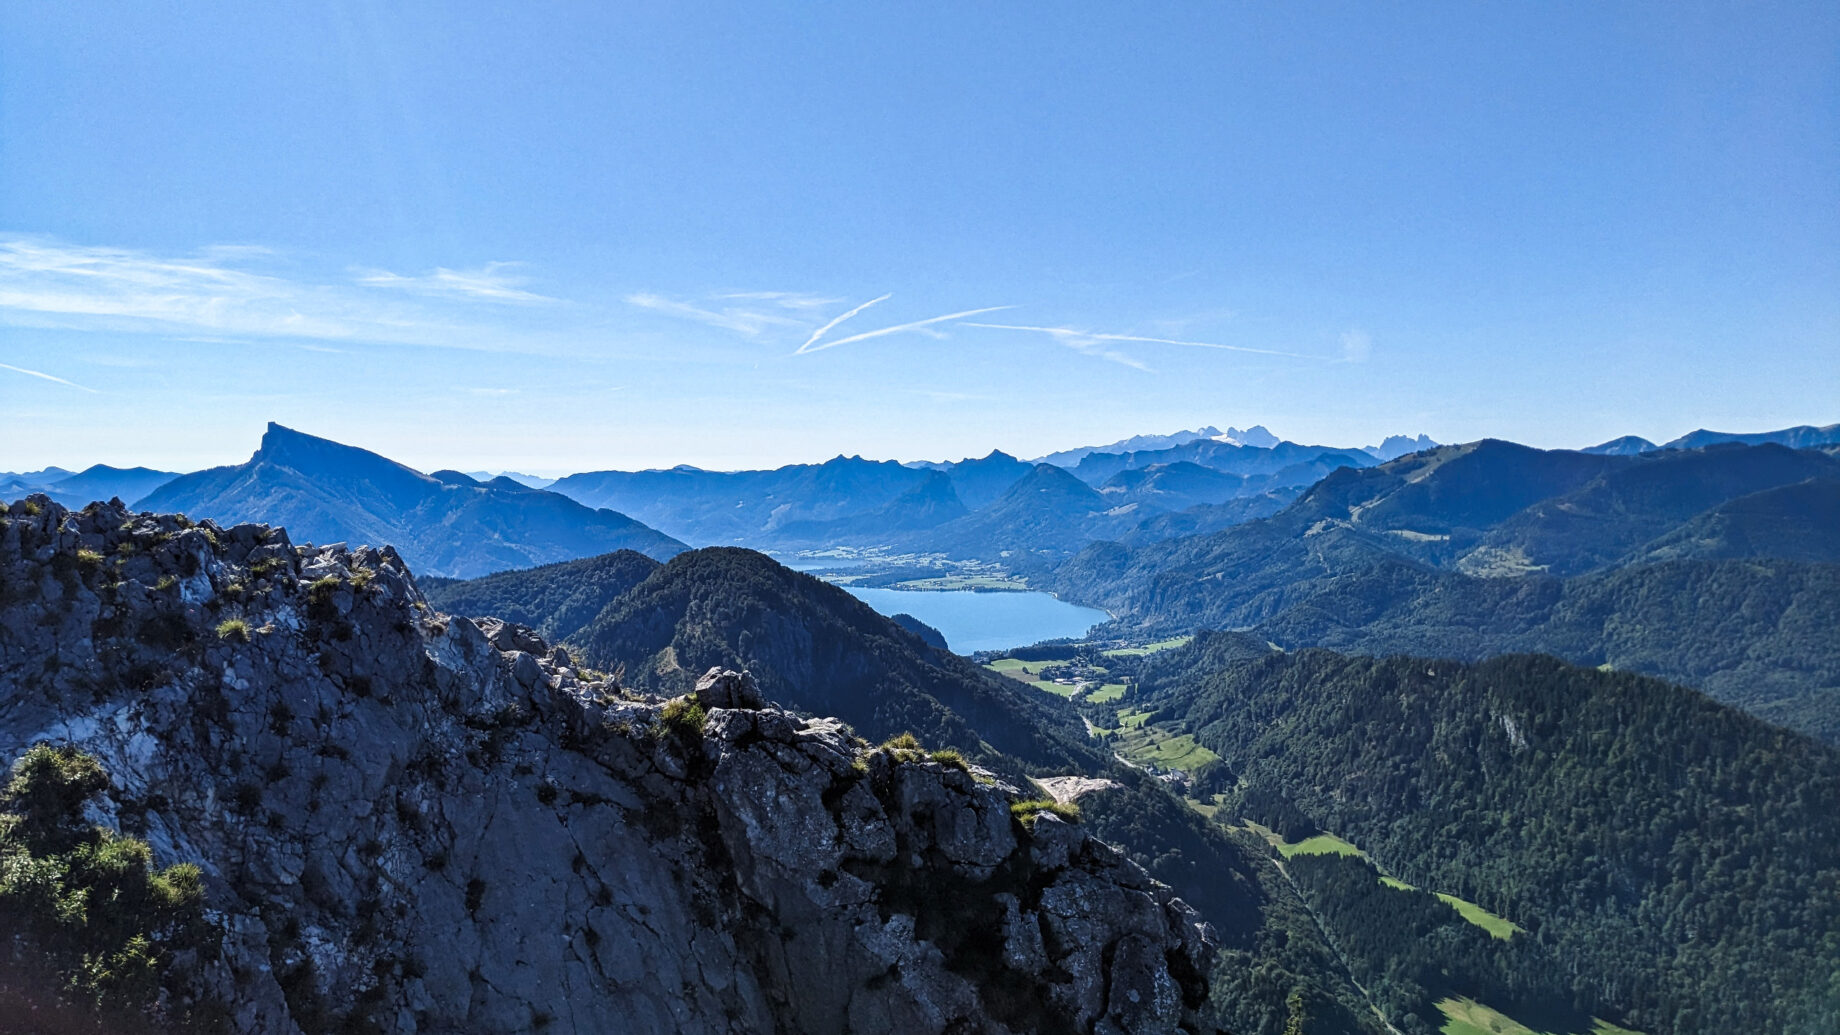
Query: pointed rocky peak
x=1256, y=436
x=323, y=458
x=1396, y=446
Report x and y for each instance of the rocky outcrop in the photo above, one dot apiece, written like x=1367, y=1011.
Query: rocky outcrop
x=411, y=822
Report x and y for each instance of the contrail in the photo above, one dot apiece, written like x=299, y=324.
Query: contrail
x=48, y=377
x=866, y=335
x=826, y=329
x=1068, y=332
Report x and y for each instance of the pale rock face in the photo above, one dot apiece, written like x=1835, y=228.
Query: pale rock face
x=442, y=826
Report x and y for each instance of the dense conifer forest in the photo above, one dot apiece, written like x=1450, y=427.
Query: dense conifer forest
x=1672, y=860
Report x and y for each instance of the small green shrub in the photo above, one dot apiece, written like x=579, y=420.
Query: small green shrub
x=31, y=509
x=1028, y=811
x=319, y=598
x=166, y=582
x=952, y=757
x=86, y=899
x=233, y=629
x=904, y=747
x=89, y=560
x=361, y=577
x=682, y=715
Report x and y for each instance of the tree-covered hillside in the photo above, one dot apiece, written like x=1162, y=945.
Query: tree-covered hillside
x=1678, y=861
x=557, y=600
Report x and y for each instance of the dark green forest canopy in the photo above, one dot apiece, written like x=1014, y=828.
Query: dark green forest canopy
x=1679, y=859
x=557, y=600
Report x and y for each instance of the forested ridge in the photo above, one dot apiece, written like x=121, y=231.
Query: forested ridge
x=1677, y=861
x=557, y=600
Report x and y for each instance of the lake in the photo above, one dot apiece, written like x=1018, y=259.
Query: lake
x=972, y=621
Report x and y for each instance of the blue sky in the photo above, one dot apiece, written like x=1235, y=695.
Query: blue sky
x=564, y=237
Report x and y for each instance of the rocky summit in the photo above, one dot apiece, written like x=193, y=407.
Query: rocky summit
x=407, y=821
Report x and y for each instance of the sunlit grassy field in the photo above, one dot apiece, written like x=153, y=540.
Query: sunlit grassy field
x=1468, y=1017
x=1148, y=648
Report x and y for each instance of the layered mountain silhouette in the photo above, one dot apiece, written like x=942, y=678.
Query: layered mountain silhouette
x=1708, y=566
x=445, y=524
x=754, y=507
x=950, y=507
x=1805, y=436
x=97, y=482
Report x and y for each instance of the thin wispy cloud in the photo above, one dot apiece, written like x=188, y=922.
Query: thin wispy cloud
x=784, y=299
x=899, y=328
x=748, y=321
x=219, y=292
x=488, y=283
x=1070, y=334
x=783, y=311
x=827, y=328
x=47, y=377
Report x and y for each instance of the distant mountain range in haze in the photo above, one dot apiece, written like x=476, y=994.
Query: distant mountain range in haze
x=1805, y=436
x=74, y=489
x=446, y=523
x=1718, y=567
x=1027, y=516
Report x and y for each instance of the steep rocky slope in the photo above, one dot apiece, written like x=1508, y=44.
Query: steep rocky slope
x=412, y=822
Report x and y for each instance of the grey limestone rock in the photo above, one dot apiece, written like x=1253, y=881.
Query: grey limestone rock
x=430, y=825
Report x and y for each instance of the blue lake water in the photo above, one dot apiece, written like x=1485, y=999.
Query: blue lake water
x=974, y=621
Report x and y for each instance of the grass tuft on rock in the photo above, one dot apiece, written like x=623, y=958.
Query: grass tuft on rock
x=1027, y=812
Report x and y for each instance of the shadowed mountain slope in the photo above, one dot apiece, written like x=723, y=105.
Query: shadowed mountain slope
x=557, y=600
x=813, y=645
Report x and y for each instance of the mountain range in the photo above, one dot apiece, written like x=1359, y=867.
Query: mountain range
x=1711, y=566
x=1805, y=436
x=1382, y=838
x=96, y=482
x=1157, y=487
x=1592, y=747
x=445, y=523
